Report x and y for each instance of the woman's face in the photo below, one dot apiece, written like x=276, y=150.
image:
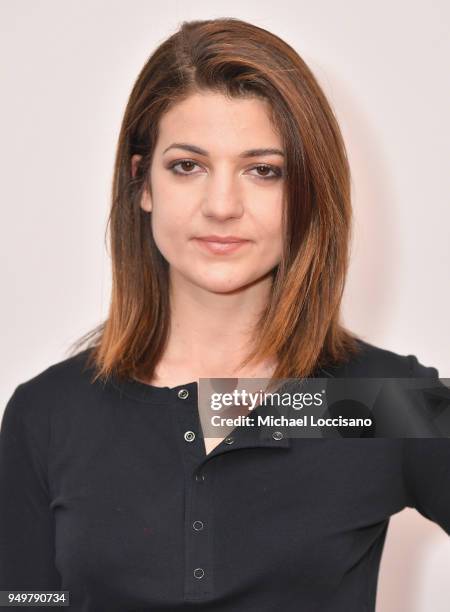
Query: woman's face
x=204, y=183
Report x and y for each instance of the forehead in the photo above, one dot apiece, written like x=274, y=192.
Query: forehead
x=211, y=120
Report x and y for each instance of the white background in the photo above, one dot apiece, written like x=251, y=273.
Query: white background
x=67, y=69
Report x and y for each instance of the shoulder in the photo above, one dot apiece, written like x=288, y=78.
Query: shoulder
x=71, y=372
x=375, y=361
x=34, y=398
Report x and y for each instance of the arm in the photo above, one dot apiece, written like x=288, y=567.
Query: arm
x=426, y=467
x=26, y=526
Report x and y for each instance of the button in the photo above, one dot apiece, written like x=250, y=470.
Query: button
x=198, y=572
x=189, y=436
x=229, y=440
x=183, y=393
x=277, y=435
x=197, y=525
x=200, y=477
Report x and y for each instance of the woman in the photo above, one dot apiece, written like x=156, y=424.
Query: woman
x=230, y=227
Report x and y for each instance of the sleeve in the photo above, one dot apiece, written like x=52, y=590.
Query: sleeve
x=426, y=467
x=26, y=526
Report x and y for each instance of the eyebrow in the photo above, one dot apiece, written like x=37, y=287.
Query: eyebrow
x=248, y=153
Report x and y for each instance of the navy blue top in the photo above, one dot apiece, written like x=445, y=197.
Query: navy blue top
x=104, y=494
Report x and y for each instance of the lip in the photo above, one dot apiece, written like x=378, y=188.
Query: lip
x=225, y=239
x=221, y=247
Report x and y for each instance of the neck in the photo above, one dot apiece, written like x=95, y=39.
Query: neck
x=214, y=329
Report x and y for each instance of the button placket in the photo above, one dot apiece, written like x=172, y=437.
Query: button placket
x=198, y=580
x=199, y=560
x=199, y=471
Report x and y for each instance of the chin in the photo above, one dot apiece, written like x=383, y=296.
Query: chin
x=227, y=284
x=221, y=286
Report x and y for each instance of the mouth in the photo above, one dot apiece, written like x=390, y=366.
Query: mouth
x=222, y=247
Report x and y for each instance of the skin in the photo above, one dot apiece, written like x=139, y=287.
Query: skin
x=215, y=298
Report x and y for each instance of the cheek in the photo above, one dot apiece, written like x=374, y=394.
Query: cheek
x=171, y=220
x=168, y=233
x=168, y=211
x=272, y=250
x=270, y=233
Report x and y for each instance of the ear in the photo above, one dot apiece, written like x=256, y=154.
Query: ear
x=146, y=200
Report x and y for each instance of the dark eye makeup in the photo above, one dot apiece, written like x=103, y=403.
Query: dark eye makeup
x=275, y=170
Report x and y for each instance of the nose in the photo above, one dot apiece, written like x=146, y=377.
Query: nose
x=223, y=198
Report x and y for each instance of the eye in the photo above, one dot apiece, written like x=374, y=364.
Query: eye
x=187, y=164
x=269, y=172
x=276, y=172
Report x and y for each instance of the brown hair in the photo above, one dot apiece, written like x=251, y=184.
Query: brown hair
x=300, y=325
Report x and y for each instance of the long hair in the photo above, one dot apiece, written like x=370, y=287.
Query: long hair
x=300, y=325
